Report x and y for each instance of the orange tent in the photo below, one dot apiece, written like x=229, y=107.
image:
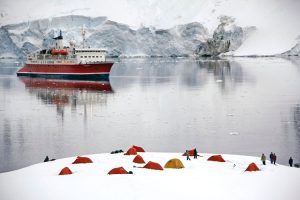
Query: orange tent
x=138, y=159
x=153, y=165
x=81, y=160
x=252, y=167
x=217, y=158
x=174, y=163
x=191, y=152
x=65, y=171
x=131, y=151
x=118, y=170
x=138, y=149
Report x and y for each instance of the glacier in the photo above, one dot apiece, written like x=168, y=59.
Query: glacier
x=276, y=21
x=119, y=39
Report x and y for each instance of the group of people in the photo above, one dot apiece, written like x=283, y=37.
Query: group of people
x=188, y=154
x=273, y=159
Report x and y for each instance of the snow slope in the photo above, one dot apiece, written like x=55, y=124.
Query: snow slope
x=200, y=179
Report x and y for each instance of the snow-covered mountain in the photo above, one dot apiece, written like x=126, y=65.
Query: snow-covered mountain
x=119, y=39
x=276, y=21
x=295, y=51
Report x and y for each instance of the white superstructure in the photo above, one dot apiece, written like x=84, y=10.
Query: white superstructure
x=90, y=55
x=67, y=55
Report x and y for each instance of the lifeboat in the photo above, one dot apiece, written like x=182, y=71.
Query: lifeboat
x=59, y=52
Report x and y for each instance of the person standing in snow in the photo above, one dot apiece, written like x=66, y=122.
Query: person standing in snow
x=291, y=161
x=187, y=155
x=46, y=159
x=271, y=157
x=195, y=153
x=263, y=159
x=274, y=158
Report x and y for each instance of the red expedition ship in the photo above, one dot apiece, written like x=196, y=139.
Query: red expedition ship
x=67, y=62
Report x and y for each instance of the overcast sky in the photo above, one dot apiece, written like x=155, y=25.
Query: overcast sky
x=159, y=13
x=132, y=12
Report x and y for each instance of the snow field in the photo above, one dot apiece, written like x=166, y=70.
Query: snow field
x=200, y=179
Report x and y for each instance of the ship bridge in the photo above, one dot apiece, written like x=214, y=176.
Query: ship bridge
x=90, y=55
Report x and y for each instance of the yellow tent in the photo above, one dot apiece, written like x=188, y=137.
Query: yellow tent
x=174, y=163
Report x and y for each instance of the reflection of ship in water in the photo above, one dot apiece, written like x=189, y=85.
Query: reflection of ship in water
x=62, y=92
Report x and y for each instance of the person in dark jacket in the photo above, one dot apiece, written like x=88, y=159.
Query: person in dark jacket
x=187, y=155
x=195, y=153
x=46, y=159
x=291, y=161
x=263, y=159
x=271, y=157
x=274, y=158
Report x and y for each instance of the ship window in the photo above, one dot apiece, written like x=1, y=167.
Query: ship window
x=81, y=56
x=89, y=56
x=96, y=56
x=93, y=56
x=85, y=56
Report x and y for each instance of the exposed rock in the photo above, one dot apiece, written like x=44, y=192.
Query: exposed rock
x=226, y=37
x=213, y=47
x=27, y=48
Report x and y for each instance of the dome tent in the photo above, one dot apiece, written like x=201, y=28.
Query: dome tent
x=65, y=171
x=252, y=167
x=138, y=159
x=174, y=163
x=191, y=152
x=138, y=149
x=131, y=151
x=217, y=158
x=153, y=165
x=118, y=170
x=82, y=160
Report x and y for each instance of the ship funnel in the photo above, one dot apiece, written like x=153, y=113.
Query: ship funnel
x=59, y=41
x=60, y=37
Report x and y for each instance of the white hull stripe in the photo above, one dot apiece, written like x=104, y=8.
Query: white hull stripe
x=62, y=73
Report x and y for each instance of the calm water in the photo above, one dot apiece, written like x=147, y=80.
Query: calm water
x=236, y=106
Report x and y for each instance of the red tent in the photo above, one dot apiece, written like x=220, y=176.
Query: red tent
x=138, y=159
x=118, y=170
x=131, y=151
x=138, y=149
x=217, y=158
x=65, y=171
x=153, y=165
x=81, y=160
x=191, y=152
x=252, y=167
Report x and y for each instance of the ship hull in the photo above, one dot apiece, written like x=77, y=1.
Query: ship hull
x=67, y=71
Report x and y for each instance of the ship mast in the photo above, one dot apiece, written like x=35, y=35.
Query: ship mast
x=83, y=37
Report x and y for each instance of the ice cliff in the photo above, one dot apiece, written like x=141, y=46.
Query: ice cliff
x=17, y=40
x=118, y=39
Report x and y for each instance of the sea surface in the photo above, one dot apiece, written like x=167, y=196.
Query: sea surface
x=246, y=106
